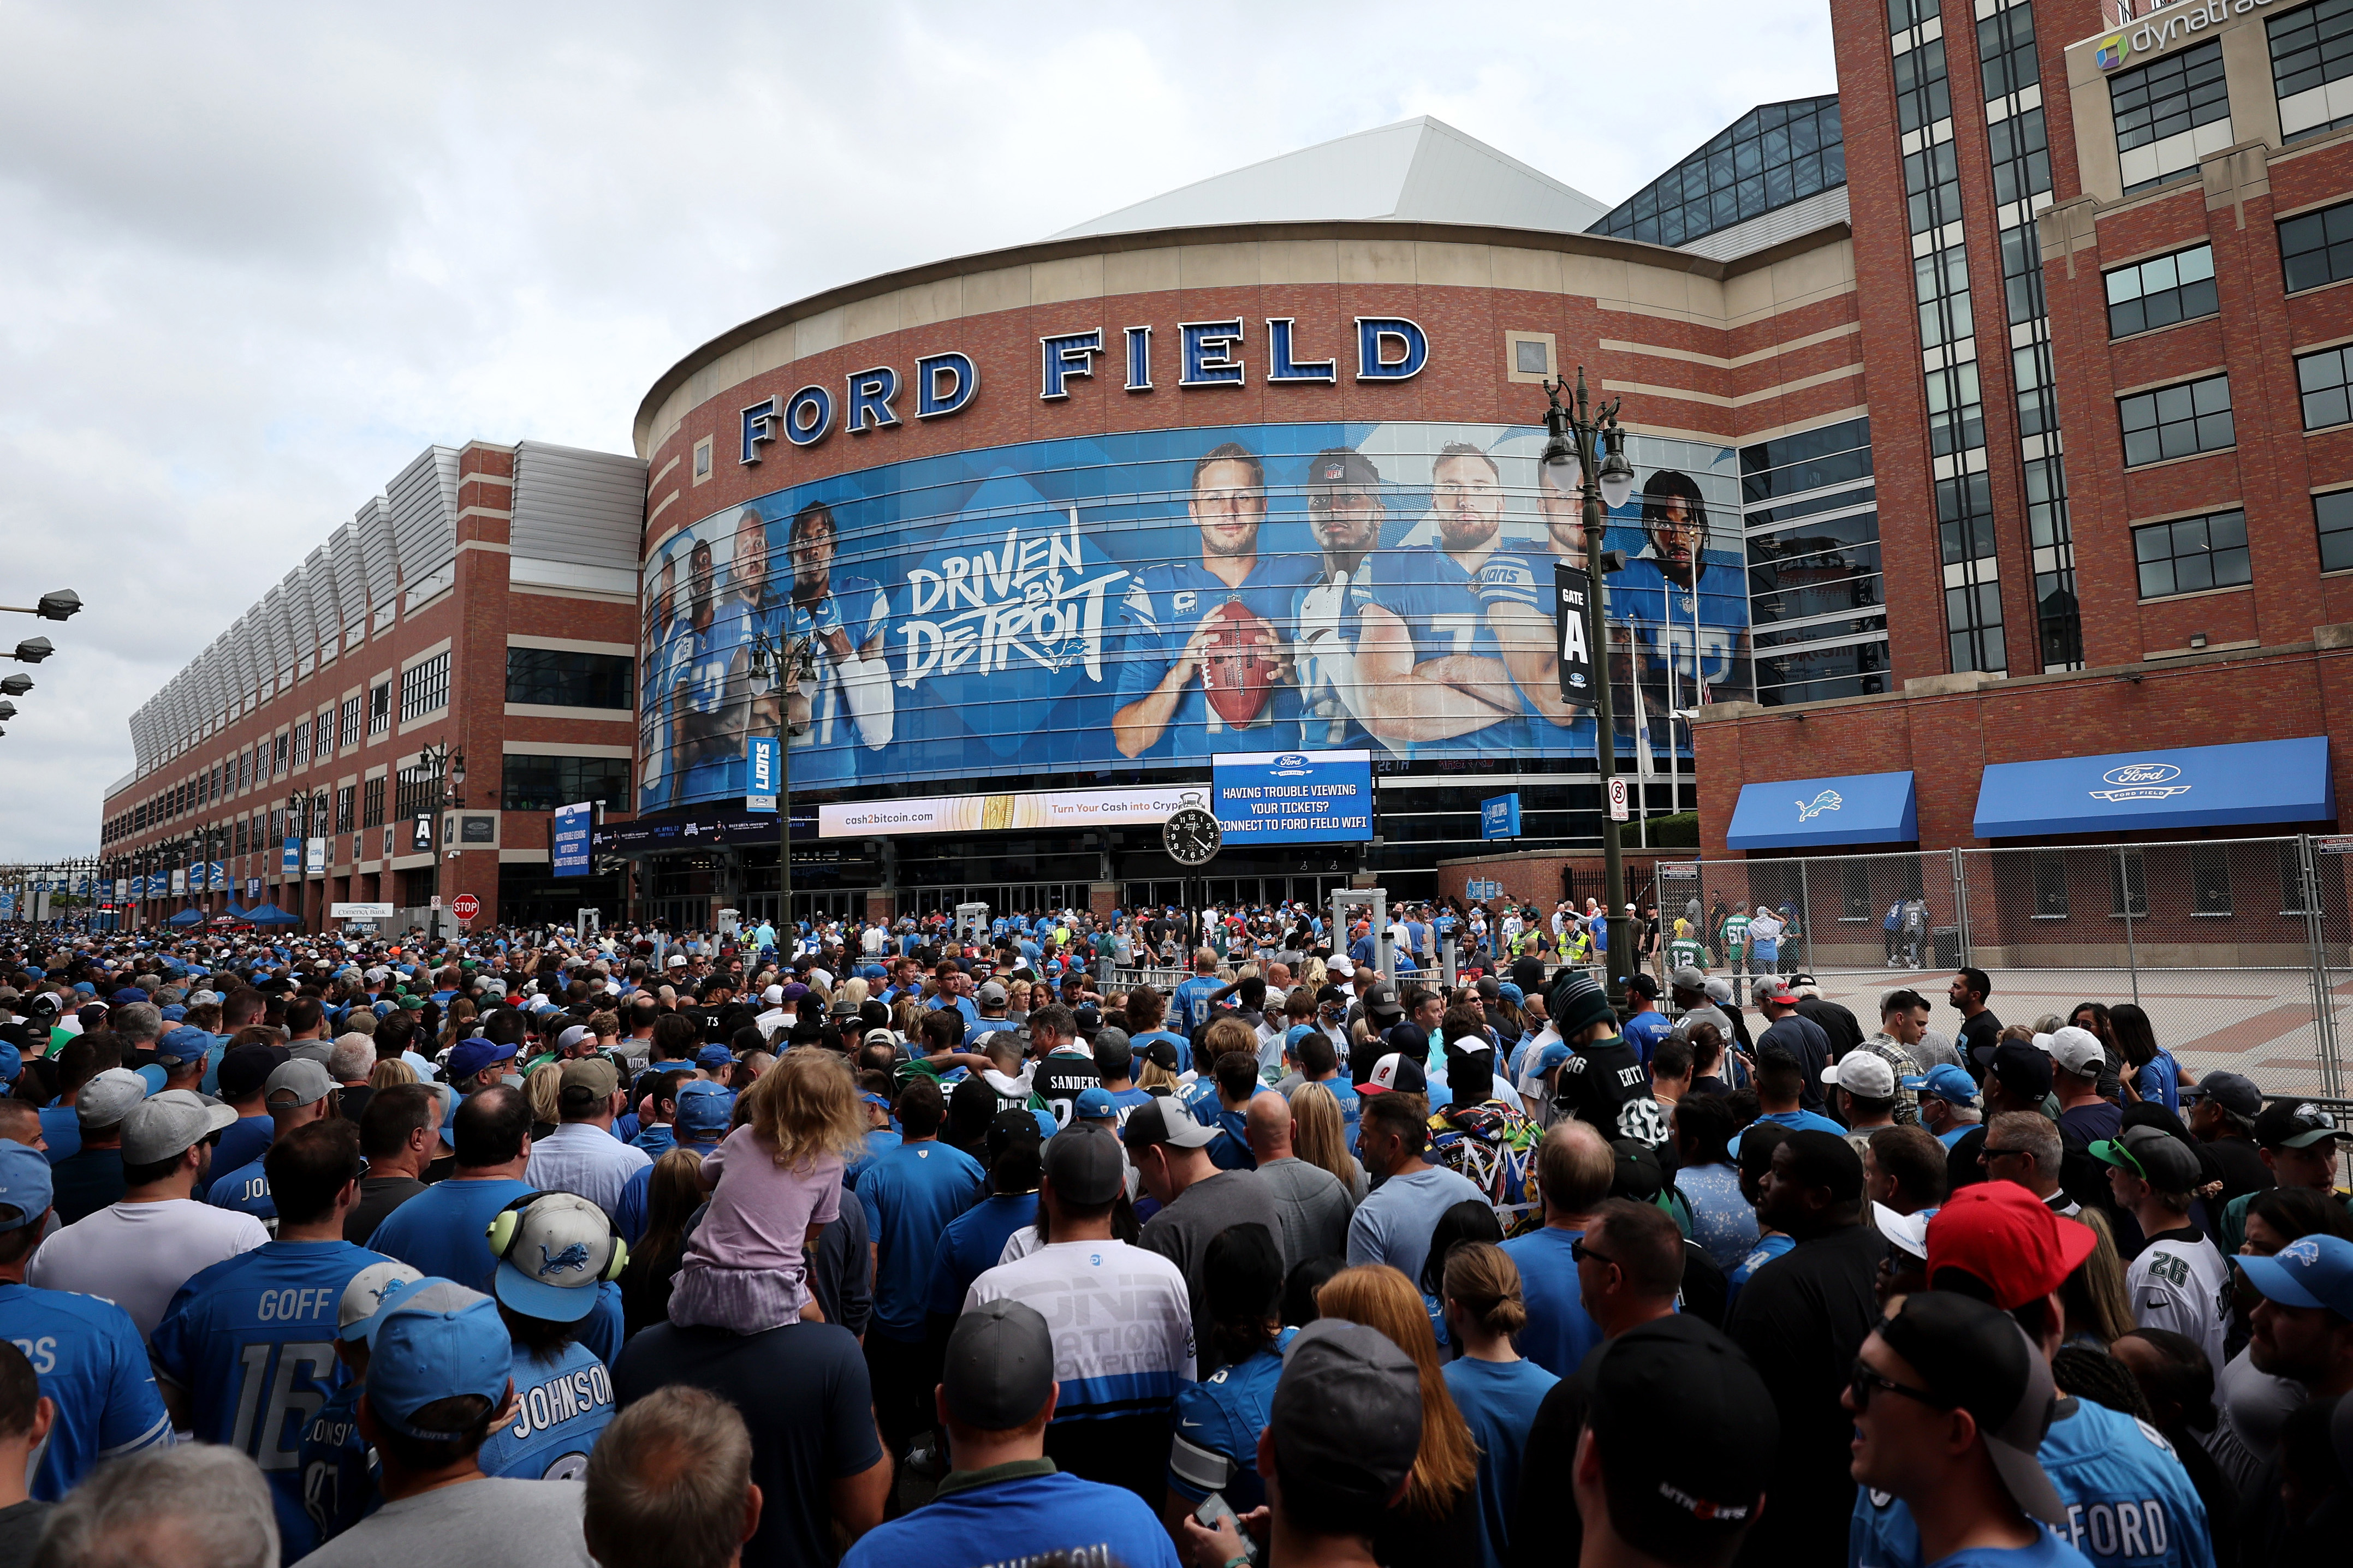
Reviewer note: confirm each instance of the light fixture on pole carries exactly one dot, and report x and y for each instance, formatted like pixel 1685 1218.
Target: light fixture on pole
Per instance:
pixel 32 650
pixel 61 606
pixel 780 667
pixel 15 685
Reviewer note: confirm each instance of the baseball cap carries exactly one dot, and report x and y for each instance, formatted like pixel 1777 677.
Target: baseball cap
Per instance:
pixel 1974 1357
pixel 434 1340
pixel 999 1369
pixel 1345 1418
pixel 561 1248
pixel 2153 1154
pixel 470 1057
pixel 711 1056
pixel 2003 1237
pixel 1686 1432
pixel 2311 1271
pixel 164 1125
pixel 127 995
pixel 1337 467
pixel 1094 1104
pixel 990 995
pixel 1396 1071
pixel 301 1081
pixel 12 1062
pixel 571 1036
pixel 2077 1050
pixel 364 1296
pixel 1719 990
pixel 25 1184
pixel 772 995
pixel 1907 1233
pixel 703 1107
pixel 1381 1002
pixel 1947 1082
pixel 2234 1092
pixel 675 960
pixel 1342 967
pixel 1864 1074
pixel 2023 1071
pixel 879 1036
pixel 1084 1163
pixel 2284 1124
pixel 1156 1123
pixel 107 1097
pixel 1635 1172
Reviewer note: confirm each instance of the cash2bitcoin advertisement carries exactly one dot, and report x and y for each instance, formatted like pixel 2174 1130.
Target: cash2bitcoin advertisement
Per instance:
pixel 1139 601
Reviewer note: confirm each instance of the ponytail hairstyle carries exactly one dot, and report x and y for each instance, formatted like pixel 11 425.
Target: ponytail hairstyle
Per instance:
pixel 1484 1283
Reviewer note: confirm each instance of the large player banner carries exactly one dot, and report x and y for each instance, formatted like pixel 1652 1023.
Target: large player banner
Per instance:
pixel 1155 599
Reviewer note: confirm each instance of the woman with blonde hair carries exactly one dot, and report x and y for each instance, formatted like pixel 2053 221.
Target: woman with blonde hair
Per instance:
pixel 776 1184
pixel 390 1073
pixel 1497 1392
pixel 1434 1522
pixel 545 1089
pixel 1320 1136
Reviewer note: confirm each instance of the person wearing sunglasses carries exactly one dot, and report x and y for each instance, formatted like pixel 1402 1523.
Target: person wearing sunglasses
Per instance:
pixel 1950 1402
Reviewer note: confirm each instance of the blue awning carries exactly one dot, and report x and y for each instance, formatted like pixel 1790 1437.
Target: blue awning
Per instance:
pixel 1797 813
pixel 2191 786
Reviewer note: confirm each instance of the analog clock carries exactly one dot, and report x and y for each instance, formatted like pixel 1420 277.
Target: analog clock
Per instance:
pixel 1191 837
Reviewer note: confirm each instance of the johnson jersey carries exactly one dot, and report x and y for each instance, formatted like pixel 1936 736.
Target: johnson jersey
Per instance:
pixel 2129 1503
pixel 1163 608
pixel 245 1190
pixel 1439 602
pixel 1218 1420
pixel 1122 1318
pixel 253 1341
pixel 827 753
pixel 566 1401
pixel 2179 1281
pixel 90 1363
pixel 340 1473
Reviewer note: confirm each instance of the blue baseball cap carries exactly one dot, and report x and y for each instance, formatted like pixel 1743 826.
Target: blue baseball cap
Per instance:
pixel 175 1013
pixel 714 1057
pixel 433 1340
pixel 12 1062
pixel 1296 1033
pixel 1095 1104
pixel 470 1057
pixel 1947 1082
pixel 186 1044
pixel 25 1184
pixel 2310 1271
pixel 127 995
pixel 704 1107
pixel 1551 1057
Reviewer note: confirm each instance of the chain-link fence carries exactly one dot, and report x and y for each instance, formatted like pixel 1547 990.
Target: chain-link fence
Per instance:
pixel 2240 948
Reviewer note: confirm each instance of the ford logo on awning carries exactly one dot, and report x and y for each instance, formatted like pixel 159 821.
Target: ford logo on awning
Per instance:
pixel 2141 781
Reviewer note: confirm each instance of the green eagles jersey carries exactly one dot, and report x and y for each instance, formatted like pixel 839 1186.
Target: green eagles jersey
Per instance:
pixel 1735 931
pixel 1686 952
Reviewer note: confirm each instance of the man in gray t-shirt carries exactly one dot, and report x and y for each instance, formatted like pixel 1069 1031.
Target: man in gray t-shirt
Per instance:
pixel 1314 1206
pixel 1394 1223
pixel 1170 1151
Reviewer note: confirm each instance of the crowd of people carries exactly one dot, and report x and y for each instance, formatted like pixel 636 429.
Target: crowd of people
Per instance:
pixel 913 1247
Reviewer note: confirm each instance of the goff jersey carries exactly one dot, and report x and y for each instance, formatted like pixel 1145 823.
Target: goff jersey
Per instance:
pixel 91 1363
pixel 1160 613
pixel 252 1340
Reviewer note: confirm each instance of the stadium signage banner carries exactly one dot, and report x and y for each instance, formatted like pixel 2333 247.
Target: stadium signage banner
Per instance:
pixel 1004 813
pixel 1295 797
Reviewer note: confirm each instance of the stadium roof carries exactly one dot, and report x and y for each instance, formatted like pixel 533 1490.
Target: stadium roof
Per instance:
pixel 1420 171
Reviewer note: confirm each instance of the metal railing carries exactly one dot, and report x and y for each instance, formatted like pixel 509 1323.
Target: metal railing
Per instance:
pixel 2239 949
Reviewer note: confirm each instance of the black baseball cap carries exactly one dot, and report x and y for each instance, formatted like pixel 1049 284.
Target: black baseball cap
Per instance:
pixel 1008 1128
pixel 1381 1002
pixel 1973 1356
pixel 1085 1165
pixel 246 1068
pixel 1638 1175
pixel 1686 1433
pixel 1342 468
pixel 2023 1072
pixel 999 1369
pixel 1346 1419
pixel 2295 1125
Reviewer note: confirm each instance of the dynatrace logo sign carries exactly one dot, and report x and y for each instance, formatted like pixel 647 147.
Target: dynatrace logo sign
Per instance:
pixel 2164 27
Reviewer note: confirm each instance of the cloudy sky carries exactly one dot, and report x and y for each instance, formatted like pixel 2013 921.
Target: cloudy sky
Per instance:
pixel 254 258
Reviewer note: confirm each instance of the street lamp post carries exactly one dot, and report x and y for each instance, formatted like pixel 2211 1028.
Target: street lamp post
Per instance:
pixel 1588 441
pixel 778 666
pixel 445 772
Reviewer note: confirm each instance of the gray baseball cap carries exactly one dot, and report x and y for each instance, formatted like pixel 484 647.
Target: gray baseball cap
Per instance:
pixel 1085 1164
pixel 999 1369
pixel 105 1098
pixel 1166 1121
pixel 303 1081
pixel 1687 979
pixel 168 1124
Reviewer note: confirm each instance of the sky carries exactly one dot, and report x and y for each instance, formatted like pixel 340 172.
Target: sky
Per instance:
pixel 255 257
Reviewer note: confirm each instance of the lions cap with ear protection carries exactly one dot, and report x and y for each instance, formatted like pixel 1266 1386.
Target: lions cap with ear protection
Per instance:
pixel 553 1250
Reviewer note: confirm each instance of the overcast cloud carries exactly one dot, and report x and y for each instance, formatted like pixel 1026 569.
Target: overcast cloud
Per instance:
pixel 253 259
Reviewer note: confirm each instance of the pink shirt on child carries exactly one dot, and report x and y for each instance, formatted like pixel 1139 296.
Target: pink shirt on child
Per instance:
pixel 761 1210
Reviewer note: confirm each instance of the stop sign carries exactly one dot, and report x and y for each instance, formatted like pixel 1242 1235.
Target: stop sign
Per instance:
pixel 465 906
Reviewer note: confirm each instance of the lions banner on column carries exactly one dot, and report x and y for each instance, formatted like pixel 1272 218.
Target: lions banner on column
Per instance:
pixel 1159 599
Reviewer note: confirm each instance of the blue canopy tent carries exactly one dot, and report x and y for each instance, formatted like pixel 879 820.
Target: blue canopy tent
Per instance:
pixel 1798 814
pixel 2254 783
pixel 234 912
pixel 272 915
pixel 187 918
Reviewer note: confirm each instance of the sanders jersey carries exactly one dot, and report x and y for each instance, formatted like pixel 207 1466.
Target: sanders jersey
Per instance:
pixel 253 1341
pixel 566 1401
pixel 1439 602
pixel 2129 1503
pixel 857 606
pixel 90 1363
pixel 339 1469
pixel 1218 1420
pixel 1159 616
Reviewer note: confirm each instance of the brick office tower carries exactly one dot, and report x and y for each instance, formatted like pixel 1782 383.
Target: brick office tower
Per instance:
pixel 483 609
pixel 2098 255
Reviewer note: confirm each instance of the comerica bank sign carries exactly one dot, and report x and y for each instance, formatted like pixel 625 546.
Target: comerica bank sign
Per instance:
pixel 1217 353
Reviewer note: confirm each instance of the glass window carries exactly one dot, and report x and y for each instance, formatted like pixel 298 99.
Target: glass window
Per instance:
pixel 2332 515
pixel 2170 96
pixel 2311 47
pixel 2209 879
pixel 2192 553
pixel 2316 247
pixel 2038 398
pixel 2127 884
pixel 1904 14
pixel 1964 518
pixel 351 722
pixel 1973 618
pixel 543 783
pixel 1773 155
pixel 380 708
pixel 2177 421
pixel 1923 95
pixel 372 803
pixel 2161 290
pixel 2022 272
pixel 1956 415
pixel 2021 155
pixel 2006 59
pixel 2050 884
pixel 2322 380
pixel 559 678
pixel 425 687
pixel 1810 460
pixel 345 799
pixel 1932 187
pixel 2060 619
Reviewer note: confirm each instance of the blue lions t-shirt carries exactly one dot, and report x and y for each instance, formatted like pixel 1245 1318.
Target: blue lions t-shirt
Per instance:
pixel 1021 1519
pixel 910 1195
pixel 566 1401
pixel 89 1362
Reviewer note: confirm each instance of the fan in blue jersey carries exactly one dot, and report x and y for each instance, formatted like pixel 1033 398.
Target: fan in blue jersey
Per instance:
pixel 1345 514
pixel 552 1251
pixel 245 1353
pixel 1678 607
pixel 1220 1418
pixel 845 701
pixel 1427 670
pixel 86 1354
pixel 666 620
pixel 339 1473
pixel 1160 709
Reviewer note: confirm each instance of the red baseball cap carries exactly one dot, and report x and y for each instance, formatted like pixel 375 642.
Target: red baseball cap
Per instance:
pixel 2003 1235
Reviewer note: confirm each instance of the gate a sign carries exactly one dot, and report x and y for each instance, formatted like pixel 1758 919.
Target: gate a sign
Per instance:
pixel 1571 588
